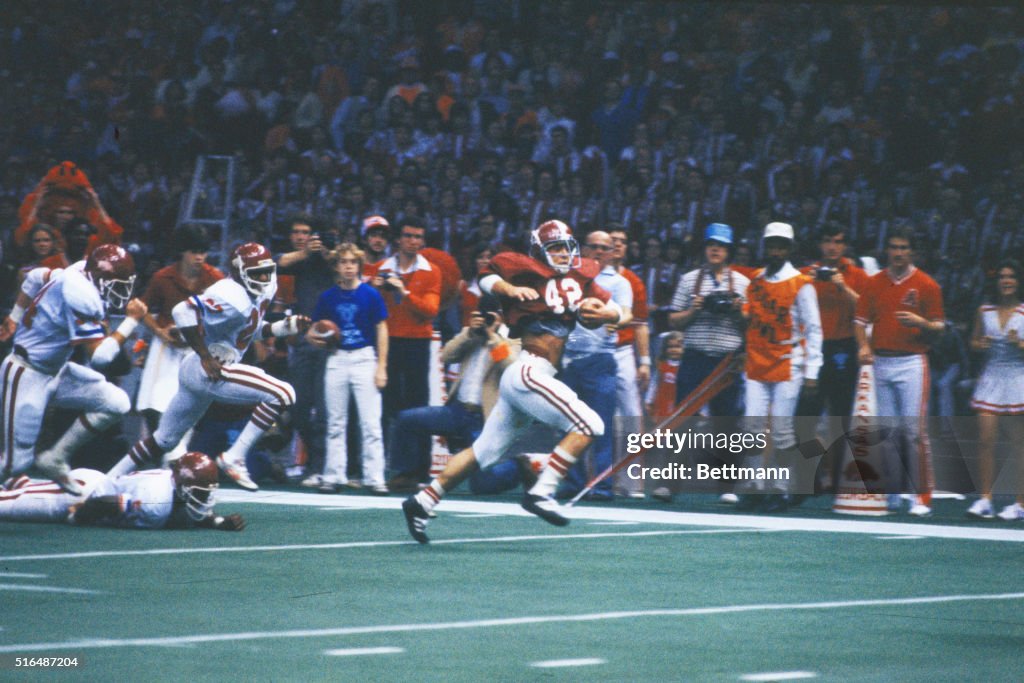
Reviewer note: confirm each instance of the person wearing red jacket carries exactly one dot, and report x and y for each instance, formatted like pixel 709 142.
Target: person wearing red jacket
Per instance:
pixel 411 287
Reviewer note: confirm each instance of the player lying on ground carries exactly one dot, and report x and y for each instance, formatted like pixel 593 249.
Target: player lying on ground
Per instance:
pixel 543 296
pixel 219 325
pixel 175 498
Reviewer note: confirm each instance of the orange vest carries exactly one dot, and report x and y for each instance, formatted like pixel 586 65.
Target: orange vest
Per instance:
pixel 770 330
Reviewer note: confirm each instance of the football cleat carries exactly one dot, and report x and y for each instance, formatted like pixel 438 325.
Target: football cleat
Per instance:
pixel 416 519
pixel 545 507
pixel 55 467
pixel 237 472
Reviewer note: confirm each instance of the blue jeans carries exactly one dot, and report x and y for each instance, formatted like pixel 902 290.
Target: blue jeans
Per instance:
pixel 593 379
pixel 413 428
pixel 306 374
pixel 694 368
pixel 408 380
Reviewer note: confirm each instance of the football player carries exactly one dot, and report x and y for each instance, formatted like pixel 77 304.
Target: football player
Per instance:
pixel 59 316
pixel 219 325
pixel 175 498
pixel 543 296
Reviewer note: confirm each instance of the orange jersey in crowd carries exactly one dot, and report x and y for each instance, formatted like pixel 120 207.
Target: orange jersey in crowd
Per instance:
pixel 883 297
pixel 770 331
pixel 412 316
pixel 640 309
pixel 664 401
pixel 836 309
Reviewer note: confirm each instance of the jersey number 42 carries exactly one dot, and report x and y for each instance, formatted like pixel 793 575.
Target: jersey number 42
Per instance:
pixel 563 294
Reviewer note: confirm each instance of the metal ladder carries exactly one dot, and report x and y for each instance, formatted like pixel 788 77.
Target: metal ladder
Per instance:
pixel 210 203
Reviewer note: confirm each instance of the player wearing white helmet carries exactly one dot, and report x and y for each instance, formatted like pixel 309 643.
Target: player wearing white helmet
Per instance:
pixel 60 315
pixel 219 325
pixel 179 497
pixel 543 297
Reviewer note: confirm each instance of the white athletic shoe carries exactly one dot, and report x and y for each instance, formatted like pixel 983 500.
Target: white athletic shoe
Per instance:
pixel 313 481
pixel 1012 513
pixel 982 509
pixel 728 499
pixel 237 472
pixel 919 510
pixel 54 466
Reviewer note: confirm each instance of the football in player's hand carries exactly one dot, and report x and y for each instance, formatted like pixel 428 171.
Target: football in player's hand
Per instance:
pixel 588 306
pixel 325 331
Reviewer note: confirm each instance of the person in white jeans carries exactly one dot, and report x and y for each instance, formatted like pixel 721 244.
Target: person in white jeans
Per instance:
pixel 356 367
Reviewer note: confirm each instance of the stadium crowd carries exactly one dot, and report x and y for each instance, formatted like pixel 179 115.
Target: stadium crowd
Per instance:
pixel 478 121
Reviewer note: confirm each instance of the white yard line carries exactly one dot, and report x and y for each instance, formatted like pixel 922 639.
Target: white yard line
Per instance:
pixel 366 544
pixel 358 651
pixel 21 575
pixel 562 663
pixel 175 641
pixel 44 589
pixel 779 676
pixel 614 514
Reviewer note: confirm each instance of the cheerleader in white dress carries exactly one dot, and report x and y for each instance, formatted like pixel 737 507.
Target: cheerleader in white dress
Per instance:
pixel 999 333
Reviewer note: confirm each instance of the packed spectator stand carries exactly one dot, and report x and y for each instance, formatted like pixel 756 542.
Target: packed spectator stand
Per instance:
pixel 487 117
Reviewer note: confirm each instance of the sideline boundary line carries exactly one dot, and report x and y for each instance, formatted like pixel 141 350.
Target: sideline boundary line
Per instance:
pixel 615 514
pixel 175 641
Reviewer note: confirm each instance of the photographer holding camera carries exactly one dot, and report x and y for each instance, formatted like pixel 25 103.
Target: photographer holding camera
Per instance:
pixel 838 281
pixel 411 288
pixel 482 353
pixel 302 274
pixel 708 305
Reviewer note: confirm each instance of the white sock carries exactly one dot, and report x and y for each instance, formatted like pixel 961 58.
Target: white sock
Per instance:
pixel 557 467
pixel 429 497
pixel 245 441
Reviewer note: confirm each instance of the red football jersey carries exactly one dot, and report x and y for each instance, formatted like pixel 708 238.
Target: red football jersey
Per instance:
pixel 560 295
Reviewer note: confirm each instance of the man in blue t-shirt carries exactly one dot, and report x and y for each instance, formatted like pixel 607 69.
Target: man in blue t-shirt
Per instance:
pixel 356 367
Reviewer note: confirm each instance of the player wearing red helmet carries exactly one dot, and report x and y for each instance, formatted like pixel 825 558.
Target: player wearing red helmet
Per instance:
pixel 112 270
pixel 60 313
pixel 543 296
pixel 219 325
pixel 179 497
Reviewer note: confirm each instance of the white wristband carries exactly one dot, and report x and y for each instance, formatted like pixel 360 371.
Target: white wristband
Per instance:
pixel 127 326
pixel 645 360
pixel 17 313
pixel 286 327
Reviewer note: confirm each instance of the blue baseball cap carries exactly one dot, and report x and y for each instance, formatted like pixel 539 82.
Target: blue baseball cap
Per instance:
pixel 719 232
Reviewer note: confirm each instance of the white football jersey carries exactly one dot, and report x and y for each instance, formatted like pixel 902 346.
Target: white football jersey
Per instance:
pixel 230 318
pixel 66 310
pixel 151 498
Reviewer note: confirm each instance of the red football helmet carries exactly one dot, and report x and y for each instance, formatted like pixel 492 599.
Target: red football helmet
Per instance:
pixel 552 235
pixel 195 480
pixel 252 259
pixel 112 270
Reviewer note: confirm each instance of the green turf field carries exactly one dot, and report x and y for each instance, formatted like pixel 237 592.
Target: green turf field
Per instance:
pixel 331 588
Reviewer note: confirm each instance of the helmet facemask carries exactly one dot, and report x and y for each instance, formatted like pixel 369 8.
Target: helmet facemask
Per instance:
pixel 255 287
pixel 573 261
pixel 199 500
pixel 116 293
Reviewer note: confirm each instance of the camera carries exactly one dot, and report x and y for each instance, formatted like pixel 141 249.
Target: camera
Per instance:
pixel 720 303
pixel 489 318
pixel 327 239
pixel 387 286
pixel 824 274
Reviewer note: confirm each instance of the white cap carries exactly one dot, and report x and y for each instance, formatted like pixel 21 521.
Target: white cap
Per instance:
pixel 778 230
